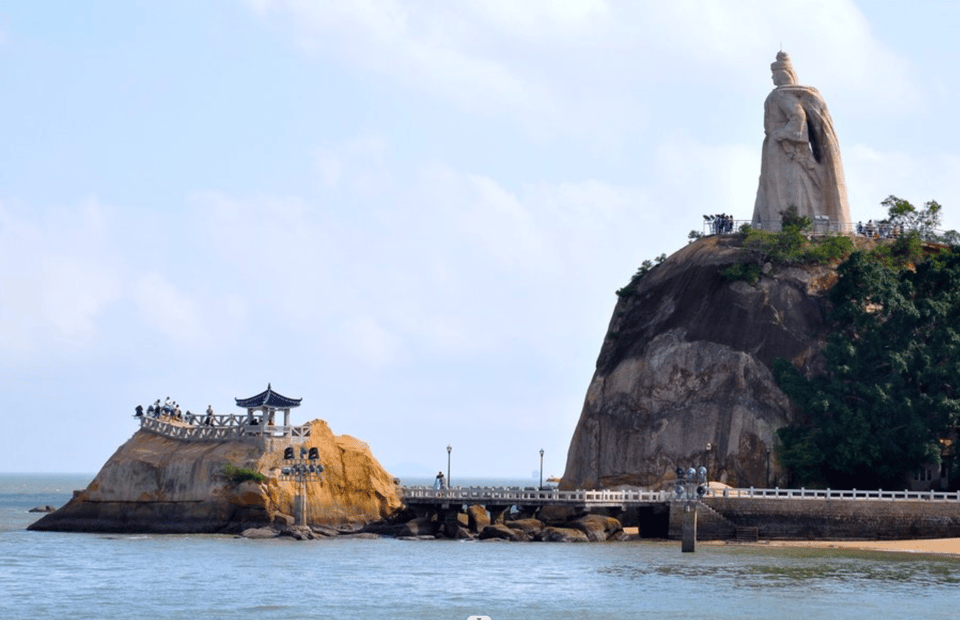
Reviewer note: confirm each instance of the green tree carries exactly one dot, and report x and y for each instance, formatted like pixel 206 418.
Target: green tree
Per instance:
pixel 891 392
pixel 903 215
pixel 791 218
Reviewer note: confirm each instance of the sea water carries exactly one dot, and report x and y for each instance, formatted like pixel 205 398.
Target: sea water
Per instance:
pixel 97 576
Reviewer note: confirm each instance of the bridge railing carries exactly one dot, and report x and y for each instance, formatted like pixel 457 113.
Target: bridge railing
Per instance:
pixel 838 494
pixel 528 494
pixel 520 495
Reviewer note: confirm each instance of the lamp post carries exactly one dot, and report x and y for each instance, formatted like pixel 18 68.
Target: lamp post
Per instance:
pixel 300 470
pixel 768 468
pixel 691 486
pixel 449 450
pixel 541 468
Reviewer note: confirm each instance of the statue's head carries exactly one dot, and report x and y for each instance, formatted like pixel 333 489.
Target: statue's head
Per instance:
pixel 782 69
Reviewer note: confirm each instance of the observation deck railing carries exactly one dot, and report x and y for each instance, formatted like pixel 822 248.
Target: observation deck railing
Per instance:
pixel 820 226
pixel 217 427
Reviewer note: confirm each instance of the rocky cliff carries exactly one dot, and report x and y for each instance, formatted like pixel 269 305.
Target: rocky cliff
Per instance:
pixel 157 484
pixel 683 377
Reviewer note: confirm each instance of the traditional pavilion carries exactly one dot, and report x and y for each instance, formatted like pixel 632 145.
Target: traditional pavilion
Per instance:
pixel 268 402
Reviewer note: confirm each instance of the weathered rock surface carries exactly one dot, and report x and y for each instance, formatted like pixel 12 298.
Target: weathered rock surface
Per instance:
pixel 501 532
pixel 683 376
pixel 157 484
pixel 563 534
pixel 598 528
pixel 531 527
pixel 260 532
pixel 478 517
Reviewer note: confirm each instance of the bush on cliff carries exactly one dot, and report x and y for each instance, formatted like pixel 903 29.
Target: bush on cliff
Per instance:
pixel 891 395
pixel 790 246
pixel 645 267
pixel 239 475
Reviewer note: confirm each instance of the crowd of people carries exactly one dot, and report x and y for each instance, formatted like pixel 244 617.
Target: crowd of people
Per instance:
pixel 171 409
pixel 878 230
pixel 720 223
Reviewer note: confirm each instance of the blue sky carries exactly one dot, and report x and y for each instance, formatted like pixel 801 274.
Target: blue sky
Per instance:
pixel 413 215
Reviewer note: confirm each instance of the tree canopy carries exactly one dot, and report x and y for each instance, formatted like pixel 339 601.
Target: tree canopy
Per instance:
pixel 892 388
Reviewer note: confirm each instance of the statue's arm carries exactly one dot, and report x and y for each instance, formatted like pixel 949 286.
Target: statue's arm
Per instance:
pixel 794 130
pixel 792 135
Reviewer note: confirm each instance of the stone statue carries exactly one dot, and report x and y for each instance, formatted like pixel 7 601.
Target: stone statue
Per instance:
pixel 801 164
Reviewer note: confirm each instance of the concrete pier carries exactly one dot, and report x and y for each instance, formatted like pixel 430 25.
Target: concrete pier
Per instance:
pixel 689 529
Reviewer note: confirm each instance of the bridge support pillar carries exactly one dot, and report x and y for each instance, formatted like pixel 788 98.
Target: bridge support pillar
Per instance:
pixel 689 529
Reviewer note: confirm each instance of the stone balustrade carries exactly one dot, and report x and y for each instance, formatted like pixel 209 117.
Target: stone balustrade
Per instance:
pixel 218 427
pixel 837 494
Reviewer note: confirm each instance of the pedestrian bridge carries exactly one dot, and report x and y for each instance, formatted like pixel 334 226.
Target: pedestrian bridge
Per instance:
pixel 586 499
pixel 509 496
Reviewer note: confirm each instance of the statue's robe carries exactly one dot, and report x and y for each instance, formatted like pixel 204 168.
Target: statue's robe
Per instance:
pixel 801 164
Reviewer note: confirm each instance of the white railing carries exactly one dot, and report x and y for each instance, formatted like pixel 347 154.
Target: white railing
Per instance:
pixel 820 226
pixel 838 494
pixel 530 494
pixel 515 495
pixel 217 428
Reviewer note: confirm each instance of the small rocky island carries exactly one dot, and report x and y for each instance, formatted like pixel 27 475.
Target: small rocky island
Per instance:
pixel 238 474
pixel 224 474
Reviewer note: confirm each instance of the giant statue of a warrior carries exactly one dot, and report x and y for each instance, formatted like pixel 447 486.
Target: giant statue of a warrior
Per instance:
pixel 801 164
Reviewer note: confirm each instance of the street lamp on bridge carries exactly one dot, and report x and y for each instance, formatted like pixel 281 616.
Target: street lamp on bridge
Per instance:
pixel 449 450
pixel 541 468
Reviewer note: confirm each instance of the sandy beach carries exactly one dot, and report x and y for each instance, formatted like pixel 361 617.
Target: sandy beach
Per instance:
pixel 946 546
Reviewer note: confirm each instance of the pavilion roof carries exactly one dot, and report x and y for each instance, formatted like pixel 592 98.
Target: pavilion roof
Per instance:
pixel 268 398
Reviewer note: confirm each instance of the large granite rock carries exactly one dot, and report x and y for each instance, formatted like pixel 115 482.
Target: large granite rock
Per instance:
pixel 157 484
pixel 563 534
pixel 683 377
pixel 598 528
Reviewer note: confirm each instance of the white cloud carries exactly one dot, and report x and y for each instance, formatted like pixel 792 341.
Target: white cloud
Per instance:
pixel 582 68
pixel 367 340
pixel 58 275
pixel 697 179
pixel 873 174
pixel 170 311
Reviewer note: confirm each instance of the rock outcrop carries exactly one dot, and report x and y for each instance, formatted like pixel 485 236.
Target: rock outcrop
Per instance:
pixel 157 484
pixel 683 377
